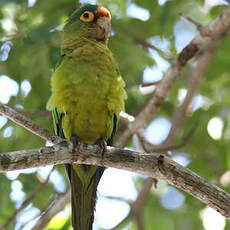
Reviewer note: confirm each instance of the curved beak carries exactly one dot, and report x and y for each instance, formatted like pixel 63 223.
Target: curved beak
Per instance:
pixel 103 22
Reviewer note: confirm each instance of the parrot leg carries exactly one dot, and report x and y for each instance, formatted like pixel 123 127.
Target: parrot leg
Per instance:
pixel 103 146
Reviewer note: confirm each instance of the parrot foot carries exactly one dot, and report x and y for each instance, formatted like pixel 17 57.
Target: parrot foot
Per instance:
pixel 103 146
pixel 75 141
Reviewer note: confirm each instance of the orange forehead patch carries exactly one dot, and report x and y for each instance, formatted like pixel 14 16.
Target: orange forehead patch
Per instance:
pixel 103 12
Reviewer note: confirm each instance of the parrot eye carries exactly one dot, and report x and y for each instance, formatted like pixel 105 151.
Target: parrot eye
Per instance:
pixel 87 16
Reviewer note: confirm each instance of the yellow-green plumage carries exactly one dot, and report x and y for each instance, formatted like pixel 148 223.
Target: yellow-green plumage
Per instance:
pixel 87 97
pixel 86 88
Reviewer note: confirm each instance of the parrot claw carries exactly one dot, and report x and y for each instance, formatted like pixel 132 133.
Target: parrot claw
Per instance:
pixel 75 141
pixel 103 146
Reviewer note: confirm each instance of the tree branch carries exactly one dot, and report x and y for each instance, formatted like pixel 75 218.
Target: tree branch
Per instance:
pixel 55 207
pixel 28 124
pixel 207 35
pixel 137 206
pixel 153 165
pixel 141 41
pixel 149 147
pixel 26 202
pixel 197 24
pixel 194 81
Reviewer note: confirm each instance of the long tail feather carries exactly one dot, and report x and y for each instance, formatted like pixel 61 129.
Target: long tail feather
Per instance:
pixel 83 196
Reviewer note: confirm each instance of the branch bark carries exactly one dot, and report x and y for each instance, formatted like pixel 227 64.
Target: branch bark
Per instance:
pixel 152 165
pixel 207 35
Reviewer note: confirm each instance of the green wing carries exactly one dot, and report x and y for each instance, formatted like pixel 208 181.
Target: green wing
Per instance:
pixel 58 117
pixel 115 121
pixel 59 61
pixel 57 123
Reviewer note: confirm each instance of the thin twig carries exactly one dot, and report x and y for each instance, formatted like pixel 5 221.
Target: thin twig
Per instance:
pixel 149 147
pixel 53 208
pixel 150 83
pixel 28 124
pixel 197 24
pixel 122 199
pixel 136 208
pixel 141 42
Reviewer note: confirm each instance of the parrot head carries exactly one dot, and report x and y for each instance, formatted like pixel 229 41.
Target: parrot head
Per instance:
pixel 90 22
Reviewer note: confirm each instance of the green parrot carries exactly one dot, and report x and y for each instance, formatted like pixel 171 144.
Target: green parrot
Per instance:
pixel 87 96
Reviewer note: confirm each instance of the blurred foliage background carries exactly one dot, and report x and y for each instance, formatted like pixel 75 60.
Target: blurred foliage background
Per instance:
pixel 29 49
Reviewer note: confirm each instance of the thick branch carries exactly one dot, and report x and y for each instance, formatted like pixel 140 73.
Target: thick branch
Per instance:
pixel 215 30
pixel 153 165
